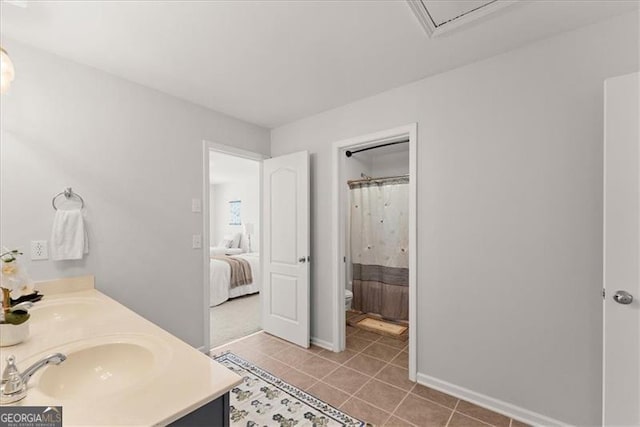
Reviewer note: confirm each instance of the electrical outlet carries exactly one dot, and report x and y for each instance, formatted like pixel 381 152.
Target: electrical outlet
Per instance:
pixel 39 250
pixel 197 241
pixel 196 205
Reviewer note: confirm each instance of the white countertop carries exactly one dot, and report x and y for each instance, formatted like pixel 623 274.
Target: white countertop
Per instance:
pixel 182 380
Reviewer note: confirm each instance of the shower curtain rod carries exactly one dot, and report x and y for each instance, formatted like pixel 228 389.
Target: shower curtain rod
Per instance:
pixel 351 153
pixel 384 178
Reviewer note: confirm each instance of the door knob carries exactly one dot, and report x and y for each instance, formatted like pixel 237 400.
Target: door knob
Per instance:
pixel 302 259
pixel 623 297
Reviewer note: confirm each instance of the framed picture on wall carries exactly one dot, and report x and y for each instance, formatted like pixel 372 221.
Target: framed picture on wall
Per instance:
pixel 234 212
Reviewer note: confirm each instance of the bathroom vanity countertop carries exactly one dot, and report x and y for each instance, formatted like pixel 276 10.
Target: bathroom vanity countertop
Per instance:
pixel 178 378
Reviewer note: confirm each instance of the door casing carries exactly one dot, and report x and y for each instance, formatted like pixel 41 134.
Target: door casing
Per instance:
pixel 207 147
pixel 339 232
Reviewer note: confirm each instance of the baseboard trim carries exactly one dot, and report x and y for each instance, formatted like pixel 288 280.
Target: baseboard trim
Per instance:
pixel 512 411
pixel 322 343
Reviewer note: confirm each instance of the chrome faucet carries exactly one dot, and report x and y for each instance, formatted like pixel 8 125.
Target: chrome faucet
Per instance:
pixel 14 383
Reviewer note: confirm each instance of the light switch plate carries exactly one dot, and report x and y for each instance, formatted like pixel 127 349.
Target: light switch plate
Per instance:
pixel 39 250
pixel 196 205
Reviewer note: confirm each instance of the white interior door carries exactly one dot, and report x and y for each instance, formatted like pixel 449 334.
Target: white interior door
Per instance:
pixel 285 302
pixel 621 400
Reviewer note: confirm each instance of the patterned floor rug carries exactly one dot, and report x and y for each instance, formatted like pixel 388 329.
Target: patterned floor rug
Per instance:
pixel 265 400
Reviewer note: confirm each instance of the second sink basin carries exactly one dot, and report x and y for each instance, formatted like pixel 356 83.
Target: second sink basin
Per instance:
pixel 64 310
pixel 103 368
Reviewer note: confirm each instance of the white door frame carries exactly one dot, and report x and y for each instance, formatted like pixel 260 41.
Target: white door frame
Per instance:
pixel 208 147
pixel 339 233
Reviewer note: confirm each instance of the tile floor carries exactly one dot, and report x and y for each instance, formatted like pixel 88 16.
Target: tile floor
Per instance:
pixel 369 381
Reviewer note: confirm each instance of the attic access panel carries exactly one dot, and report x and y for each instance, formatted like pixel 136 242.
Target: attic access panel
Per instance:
pixel 437 16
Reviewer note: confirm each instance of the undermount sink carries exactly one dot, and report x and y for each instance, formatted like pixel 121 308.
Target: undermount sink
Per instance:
pixel 64 310
pixel 104 368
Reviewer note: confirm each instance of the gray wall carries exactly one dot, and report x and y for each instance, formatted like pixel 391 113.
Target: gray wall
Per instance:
pixel 135 155
pixel 510 215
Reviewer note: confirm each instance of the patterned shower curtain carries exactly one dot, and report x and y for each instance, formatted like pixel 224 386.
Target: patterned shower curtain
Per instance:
pixel 379 247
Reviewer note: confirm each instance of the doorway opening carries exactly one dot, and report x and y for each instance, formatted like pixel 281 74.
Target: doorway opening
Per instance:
pixel 374 237
pixel 232 241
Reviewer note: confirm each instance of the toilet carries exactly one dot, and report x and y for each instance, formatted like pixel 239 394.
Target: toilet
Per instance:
pixel 348 298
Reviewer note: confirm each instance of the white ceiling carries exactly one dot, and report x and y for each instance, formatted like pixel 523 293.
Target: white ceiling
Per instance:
pixel 272 62
pixel 224 168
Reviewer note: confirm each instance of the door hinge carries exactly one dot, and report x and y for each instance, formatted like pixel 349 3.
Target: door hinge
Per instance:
pixel 604 293
pixel 344 259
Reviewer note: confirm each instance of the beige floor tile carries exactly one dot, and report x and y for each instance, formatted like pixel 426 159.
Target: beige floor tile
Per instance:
pixel 297 378
pixel 483 414
pixel 392 342
pixel 381 395
pixel 402 360
pixel 350 330
pixel 422 412
pixel 459 420
pixel 341 357
pixel 313 349
pixel 366 364
pixel 381 351
pixel 364 411
pixel 346 379
pixel 356 344
pixel 367 335
pixel 317 367
pixel 292 356
pixel 250 355
pixel 397 422
pixel 435 396
pixel 329 394
pixel 255 338
pixel 268 346
pixel 273 366
pixel 396 376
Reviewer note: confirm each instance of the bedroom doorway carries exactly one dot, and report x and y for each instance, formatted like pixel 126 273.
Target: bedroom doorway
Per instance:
pixel 231 246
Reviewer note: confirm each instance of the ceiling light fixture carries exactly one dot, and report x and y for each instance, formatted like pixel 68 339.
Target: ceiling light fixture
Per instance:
pixel 7 72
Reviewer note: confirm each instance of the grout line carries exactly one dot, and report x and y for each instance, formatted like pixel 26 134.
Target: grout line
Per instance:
pixel 236 341
pixel 433 401
pixel 371 404
pixel 339 363
pixel 330 372
pixel 452 412
pixel 372 377
pixel 478 419
pixel 393 412
pixel 317 383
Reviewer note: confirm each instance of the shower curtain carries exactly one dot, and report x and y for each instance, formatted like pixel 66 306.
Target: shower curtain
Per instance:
pixel 379 246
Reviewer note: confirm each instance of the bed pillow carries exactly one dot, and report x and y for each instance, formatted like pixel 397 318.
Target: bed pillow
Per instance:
pixel 235 240
pixel 217 251
pixel 244 243
pixel 226 242
pixel 233 251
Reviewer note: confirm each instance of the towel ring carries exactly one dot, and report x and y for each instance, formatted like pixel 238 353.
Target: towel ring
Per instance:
pixel 68 194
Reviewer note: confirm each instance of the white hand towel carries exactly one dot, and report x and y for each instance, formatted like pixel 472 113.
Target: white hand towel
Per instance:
pixel 69 236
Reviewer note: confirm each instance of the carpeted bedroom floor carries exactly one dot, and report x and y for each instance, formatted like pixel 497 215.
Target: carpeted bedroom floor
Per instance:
pixel 234 319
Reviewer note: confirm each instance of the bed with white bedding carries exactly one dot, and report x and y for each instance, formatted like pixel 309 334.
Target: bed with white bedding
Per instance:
pixel 220 279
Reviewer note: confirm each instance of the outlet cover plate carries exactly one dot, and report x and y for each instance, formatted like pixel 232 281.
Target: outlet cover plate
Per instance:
pixel 196 241
pixel 39 250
